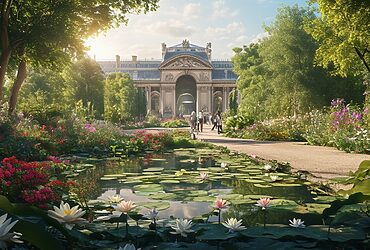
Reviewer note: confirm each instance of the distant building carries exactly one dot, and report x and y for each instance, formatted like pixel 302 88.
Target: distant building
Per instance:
pixel 185 80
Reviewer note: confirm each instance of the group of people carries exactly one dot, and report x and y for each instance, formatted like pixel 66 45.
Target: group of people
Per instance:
pixel 197 121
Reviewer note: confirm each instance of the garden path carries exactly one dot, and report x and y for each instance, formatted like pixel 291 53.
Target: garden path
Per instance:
pixel 323 162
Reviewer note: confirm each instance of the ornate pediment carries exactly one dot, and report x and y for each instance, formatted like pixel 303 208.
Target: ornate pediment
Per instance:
pixel 185 62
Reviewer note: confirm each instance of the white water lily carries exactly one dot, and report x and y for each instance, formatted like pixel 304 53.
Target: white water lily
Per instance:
pixel 233 225
pixel 273 177
pixel 67 215
pixel 114 198
pixel 203 176
pixel 5 236
pixel 267 167
pixel 125 206
pixel 297 223
pixel 223 164
pixel 152 214
pixel 182 226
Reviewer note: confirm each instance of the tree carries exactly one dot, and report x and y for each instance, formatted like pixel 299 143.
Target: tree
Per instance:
pixel 343 32
pixel 278 77
pixel 49 33
pixel 84 81
pixel 120 98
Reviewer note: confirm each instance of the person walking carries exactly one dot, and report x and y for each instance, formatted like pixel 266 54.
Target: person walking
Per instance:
pixel 193 120
pixel 219 122
pixel 200 121
pixel 214 120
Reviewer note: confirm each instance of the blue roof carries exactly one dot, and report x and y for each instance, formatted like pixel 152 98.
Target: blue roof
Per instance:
pixel 199 54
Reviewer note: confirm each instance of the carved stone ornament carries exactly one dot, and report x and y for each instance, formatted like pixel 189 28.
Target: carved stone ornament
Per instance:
pixel 169 77
pixel 204 76
pixel 185 62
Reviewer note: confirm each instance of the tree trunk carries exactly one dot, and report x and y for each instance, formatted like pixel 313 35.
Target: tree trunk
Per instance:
pixel 21 76
pixel 4 43
pixel 4 61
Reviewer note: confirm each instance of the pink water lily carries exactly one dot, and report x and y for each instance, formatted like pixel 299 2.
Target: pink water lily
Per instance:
pixel 220 203
pixel 125 206
pixel 263 202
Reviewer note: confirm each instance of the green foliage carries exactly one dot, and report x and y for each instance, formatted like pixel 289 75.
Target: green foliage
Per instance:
pixel 122 100
pixel 84 81
pixel 175 123
pixel 277 77
pixel 342 29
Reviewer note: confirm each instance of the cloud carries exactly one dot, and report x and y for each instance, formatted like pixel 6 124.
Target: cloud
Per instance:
pixel 171 28
pixel 192 10
pixel 257 38
pixel 221 10
pixel 226 32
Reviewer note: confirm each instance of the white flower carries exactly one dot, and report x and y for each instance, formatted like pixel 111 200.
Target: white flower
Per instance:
pixel 233 225
pixel 203 176
pixel 297 223
pixel 5 236
pixel 125 206
pixel 223 164
pixel 273 177
pixel 152 214
pixel 67 215
pixel 267 167
pixel 182 226
pixel 114 198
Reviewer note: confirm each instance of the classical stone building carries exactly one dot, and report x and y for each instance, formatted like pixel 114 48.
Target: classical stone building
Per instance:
pixel 186 79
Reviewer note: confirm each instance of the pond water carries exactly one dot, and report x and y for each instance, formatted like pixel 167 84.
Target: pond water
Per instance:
pixel 171 182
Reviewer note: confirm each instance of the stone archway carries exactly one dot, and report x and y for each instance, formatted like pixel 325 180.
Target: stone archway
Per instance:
pixel 186 92
pixel 155 103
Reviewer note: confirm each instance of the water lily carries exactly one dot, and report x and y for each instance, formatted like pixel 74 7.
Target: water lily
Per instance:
pixel 267 167
pixel 125 206
pixel 223 164
pixel 152 214
pixel 273 177
pixel 114 198
pixel 182 227
pixel 253 156
pixel 5 236
pixel 220 203
pixel 233 225
pixel 203 176
pixel 264 203
pixel 67 215
pixel 297 223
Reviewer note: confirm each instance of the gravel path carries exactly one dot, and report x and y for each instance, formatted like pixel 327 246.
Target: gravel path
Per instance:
pixel 323 162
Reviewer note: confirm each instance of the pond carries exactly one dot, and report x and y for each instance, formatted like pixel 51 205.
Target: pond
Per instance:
pixel 171 183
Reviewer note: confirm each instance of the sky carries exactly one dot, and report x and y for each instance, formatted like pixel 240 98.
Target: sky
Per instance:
pixel 224 23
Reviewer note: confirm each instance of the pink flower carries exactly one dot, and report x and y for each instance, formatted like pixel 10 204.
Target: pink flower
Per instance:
pixel 253 156
pixel 263 202
pixel 220 203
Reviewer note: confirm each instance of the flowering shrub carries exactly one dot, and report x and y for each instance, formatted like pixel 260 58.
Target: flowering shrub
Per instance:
pixel 150 141
pixel 343 126
pixel 29 182
pixel 174 123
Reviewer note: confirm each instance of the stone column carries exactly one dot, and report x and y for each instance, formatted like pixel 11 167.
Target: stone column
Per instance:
pixel 149 98
pixel 161 101
pixel 197 101
pixel 174 101
pixel 224 97
pixel 209 90
pixel 211 108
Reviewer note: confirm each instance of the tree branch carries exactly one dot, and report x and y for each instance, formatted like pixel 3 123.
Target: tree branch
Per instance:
pixel 362 57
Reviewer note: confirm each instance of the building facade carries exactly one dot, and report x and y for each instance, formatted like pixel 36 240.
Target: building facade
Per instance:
pixel 186 79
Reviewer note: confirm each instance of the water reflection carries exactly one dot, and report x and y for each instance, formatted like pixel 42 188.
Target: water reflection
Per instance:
pixel 253 184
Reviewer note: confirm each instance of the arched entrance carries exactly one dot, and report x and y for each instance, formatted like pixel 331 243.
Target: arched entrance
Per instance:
pixel 217 101
pixel 155 103
pixel 186 92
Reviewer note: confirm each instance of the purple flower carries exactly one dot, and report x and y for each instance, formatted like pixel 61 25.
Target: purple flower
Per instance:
pixel 337 102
